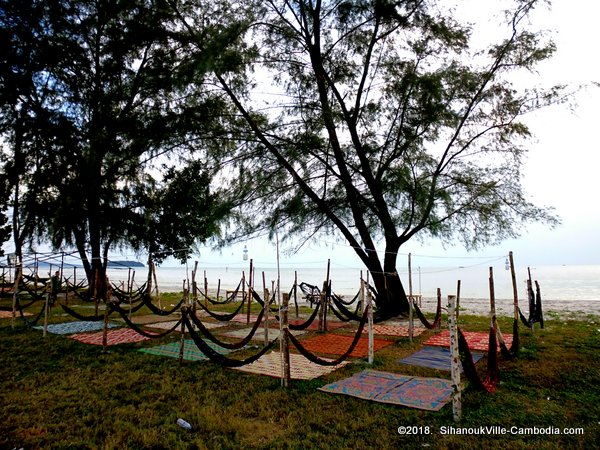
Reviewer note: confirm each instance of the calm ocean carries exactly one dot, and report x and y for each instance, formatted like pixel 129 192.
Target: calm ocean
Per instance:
pixel 578 283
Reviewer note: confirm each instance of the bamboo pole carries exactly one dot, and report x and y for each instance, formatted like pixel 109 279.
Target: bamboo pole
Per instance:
pixel 295 290
pixel 250 275
pixel 513 277
pixel 458 283
pixel 266 308
pixel 455 358
pixel 410 300
pixel 286 371
pixel 371 350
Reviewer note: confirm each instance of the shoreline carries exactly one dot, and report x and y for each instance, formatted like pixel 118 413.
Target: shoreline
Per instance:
pixel 505 308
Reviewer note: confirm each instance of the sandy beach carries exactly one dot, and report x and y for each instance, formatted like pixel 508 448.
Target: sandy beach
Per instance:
pixel 504 307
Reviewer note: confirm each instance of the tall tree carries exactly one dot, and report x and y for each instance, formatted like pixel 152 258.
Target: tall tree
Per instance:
pixel 382 121
pixel 118 92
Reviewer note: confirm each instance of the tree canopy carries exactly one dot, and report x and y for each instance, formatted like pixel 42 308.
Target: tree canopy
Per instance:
pixel 94 94
pixel 382 121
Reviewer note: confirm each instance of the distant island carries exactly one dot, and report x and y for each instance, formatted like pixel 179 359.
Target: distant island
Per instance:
pixel 117 264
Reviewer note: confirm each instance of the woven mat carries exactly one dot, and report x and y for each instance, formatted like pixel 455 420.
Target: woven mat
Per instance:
pixel 171 324
pixel 75 327
pixel 259 335
pixel 190 351
pixel 434 358
pixel 331 325
pixel 394 330
pixel 477 340
pixel 8 314
pixel 152 318
pixel 113 337
pixel 430 394
pixel 300 367
pixel 335 344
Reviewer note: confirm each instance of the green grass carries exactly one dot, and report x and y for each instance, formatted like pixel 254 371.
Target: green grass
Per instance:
pixel 58 393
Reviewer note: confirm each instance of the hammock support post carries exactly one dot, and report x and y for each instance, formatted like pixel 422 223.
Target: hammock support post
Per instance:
pixel 285 347
pixel 370 323
pixel 455 358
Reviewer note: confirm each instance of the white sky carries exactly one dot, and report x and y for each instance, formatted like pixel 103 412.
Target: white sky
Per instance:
pixel 562 169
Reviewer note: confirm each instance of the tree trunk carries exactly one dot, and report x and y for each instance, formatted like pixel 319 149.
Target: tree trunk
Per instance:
pixel 391 299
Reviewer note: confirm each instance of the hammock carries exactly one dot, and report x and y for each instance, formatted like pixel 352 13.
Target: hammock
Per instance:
pixel 137 328
pixel 148 302
pixel 81 317
pixel 227 345
pixel 325 362
pixel 227 299
pixel 490 381
pixel 347 314
pixel 309 321
pixel 221 317
pixel 216 356
pixel 437 319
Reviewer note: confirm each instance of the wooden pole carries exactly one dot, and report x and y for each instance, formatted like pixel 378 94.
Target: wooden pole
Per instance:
pixel 249 292
pixel 266 307
pixel 370 326
pixel 286 372
pixel 410 300
pixel 455 359
pixel 296 291
pixel 513 277
pixel 182 337
pixel 457 298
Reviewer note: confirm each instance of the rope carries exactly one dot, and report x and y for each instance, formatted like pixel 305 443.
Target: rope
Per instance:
pixel 213 338
pixel 221 317
pixel 315 359
pixel 148 302
pixel 490 381
pixel 437 319
pixel 309 321
pixel 81 317
pixel 137 328
pixel 216 356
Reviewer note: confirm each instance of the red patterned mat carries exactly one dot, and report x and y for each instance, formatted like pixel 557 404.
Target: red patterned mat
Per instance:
pixel 113 337
pixel 335 344
pixel 477 340
pixel 300 367
pixel 331 325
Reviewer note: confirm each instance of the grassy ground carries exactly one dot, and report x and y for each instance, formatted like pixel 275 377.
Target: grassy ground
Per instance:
pixel 58 393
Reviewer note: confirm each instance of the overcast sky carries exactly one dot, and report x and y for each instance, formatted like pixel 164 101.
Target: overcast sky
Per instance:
pixel 562 169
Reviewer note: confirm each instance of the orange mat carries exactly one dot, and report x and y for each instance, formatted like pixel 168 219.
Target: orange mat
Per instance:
pixel 335 344
pixel 477 340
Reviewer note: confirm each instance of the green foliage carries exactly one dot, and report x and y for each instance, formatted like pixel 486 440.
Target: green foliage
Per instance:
pixel 95 92
pixel 384 121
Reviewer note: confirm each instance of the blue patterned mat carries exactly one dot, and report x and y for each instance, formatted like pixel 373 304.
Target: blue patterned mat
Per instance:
pixel 430 394
pixel 434 358
pixel 75 327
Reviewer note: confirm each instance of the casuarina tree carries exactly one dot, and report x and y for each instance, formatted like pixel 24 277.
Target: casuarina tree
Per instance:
pixel 383 121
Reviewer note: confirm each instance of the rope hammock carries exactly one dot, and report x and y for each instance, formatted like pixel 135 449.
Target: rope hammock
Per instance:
pixel 438 315
pixel 221 317
pixel 490 381
pixel 315 359
pixel 216 356
pixel 137 328
pixel 231 346
pixel 147 300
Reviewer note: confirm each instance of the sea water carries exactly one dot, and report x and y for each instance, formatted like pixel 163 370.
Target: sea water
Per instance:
pixel 565 283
